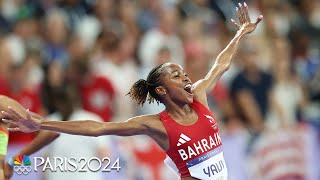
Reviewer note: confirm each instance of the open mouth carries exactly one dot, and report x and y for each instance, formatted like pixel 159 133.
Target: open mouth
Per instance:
pixel 188 88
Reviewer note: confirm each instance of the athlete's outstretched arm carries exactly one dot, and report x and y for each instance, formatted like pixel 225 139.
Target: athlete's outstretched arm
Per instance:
pixel 224 59
pixel 133 126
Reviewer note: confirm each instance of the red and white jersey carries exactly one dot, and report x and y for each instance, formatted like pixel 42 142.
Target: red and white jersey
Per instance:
pixel 98 96
pixel 196 150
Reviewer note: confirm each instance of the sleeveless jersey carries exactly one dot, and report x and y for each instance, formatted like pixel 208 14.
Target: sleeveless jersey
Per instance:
pixel 196 150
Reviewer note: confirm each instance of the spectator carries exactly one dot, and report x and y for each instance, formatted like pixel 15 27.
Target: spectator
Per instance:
pixel 26 96
pixel 164 34
pixel 121 70
pixel 250 90
pixel 67 102
pixel 53 80
pixel 6 62
pixel 34 68
pixel 148 15
pixel 287 92
pixel 103 11
pixel 76 49
pixel 75 10
pixel 56 32
pixel 97 92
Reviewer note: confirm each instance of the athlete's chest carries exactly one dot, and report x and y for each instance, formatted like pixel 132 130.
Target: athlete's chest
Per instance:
pixel 197 149
pixel 196 139
pixel 187 120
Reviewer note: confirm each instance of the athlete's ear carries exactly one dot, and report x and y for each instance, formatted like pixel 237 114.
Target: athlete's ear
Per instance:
pixel 161 90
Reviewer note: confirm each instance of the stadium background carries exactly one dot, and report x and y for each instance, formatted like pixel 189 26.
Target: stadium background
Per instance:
pixel 99 48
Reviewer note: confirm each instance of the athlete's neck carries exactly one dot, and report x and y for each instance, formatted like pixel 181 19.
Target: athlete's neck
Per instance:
pixel 178 111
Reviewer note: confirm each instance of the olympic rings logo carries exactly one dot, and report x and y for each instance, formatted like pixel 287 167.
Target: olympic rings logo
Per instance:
pixel 22 169
pixel 21 164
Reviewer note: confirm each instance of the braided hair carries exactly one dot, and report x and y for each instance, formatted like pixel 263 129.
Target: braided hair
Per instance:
pixel 144 90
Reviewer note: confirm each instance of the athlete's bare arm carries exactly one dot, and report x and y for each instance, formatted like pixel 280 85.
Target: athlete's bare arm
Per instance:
pixel 27 123
pixel 224 59
pixel 133 126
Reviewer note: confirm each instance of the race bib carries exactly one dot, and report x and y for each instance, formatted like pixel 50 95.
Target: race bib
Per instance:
pixel 209 166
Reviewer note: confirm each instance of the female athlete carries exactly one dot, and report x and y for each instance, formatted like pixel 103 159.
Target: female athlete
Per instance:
pixel 186 130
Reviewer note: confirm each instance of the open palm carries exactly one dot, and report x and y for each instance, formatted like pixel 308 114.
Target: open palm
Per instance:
pixel 19 122
pixel 246 26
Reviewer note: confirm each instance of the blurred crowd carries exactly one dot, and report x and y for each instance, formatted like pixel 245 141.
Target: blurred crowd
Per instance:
pixel 268 103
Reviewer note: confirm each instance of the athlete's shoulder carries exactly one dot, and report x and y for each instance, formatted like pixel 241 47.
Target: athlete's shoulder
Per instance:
pixel 150 120
pixel 145 118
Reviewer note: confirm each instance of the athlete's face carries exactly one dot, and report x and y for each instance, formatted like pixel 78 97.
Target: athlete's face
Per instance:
pixel 177 84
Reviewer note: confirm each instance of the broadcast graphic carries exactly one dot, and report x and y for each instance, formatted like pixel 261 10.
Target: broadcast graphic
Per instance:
pixel 159 89
pixel 21 164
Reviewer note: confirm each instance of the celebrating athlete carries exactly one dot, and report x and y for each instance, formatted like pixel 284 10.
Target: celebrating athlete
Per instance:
pixel 186 130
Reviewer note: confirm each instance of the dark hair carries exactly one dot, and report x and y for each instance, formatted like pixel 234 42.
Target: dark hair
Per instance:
pixel 144 90
pixel 110 41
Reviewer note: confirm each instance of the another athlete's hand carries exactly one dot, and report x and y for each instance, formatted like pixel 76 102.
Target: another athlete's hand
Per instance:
pixel 8 171
pixel 245 26
pixel 18 122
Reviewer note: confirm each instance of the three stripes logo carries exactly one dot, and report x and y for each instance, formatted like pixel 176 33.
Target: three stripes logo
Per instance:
pixel 183 139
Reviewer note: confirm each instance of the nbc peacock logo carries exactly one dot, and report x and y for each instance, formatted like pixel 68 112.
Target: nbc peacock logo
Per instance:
pixel 21 164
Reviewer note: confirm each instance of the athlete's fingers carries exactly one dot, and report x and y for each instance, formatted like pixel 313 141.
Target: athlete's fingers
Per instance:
pixel 258 20
pixel 235 24
pixel 14 129
pixel 247 12
pixel 10 122
pixel 242 19
pixel 9 115
pixel 16 113
pixel 239 15
pixel 28 114
pixel 12 115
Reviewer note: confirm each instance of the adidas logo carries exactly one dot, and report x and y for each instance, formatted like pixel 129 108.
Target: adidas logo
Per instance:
pixel 183 139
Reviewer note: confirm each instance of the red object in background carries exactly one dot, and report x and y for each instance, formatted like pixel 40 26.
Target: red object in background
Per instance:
pixel 153 158
pixel 30 100
pixel 220 93
pixel 4 87
pixel 98 96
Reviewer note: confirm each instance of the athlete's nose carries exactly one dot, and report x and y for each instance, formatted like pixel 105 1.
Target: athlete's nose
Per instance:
pixel 186 79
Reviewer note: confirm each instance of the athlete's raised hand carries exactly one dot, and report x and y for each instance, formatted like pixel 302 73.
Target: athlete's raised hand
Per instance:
pixel 19 122
pixel 245 26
